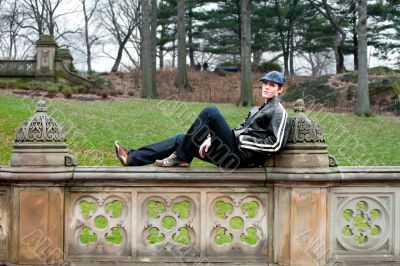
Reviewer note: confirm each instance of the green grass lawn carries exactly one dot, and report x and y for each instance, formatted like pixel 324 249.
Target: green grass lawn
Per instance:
pixel 92 127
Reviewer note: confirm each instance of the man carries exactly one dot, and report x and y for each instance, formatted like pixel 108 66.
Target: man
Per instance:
pixel 263 132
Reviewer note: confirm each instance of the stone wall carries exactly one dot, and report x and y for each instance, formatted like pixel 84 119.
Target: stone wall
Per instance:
pixel 147 214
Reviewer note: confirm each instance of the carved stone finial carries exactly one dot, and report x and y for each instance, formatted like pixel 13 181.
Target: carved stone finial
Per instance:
pixel 299 106
pixel 306 142
pixel 40 141
pixel 41 106
pixel 304 130
pixel 40 128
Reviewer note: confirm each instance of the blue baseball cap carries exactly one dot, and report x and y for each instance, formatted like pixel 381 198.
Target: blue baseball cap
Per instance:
pixel 274 76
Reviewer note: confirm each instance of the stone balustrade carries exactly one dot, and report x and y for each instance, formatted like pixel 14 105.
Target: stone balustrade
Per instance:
pixel 295 211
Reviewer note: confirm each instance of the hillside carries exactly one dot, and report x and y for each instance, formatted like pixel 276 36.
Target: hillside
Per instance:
pixel 92 127
pixel 335 93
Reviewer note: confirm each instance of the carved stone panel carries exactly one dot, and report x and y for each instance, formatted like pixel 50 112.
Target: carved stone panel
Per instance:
pixel 4 220
pixel 99 224
pixel 169 226
pixel 237 225
pixel 362 223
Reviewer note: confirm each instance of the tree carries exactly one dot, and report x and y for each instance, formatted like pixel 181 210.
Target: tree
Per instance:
pixel 331 13
pixel 11 21
pixel 88 13
pixel 36 12
pixel 181 75
pixel 167 28
pixel 221 28
pixel 384 28
pixel 153 33
pixel 146 53
pixel 120 18
pixel 363 105
pixel 287 12
pixel 246 90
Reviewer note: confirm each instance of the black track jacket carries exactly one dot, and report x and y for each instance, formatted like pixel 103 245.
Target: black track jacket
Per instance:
pixel 265 131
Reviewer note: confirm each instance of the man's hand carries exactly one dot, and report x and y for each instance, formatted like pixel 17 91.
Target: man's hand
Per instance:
pixel 204 147
pixel 240 138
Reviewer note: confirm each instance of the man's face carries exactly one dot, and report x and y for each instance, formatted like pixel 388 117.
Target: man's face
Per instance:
pixel 270 89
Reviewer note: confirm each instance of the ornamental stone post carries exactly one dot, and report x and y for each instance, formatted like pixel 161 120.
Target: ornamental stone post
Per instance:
pixel 38 206
pixel 300 212
pixel 45 56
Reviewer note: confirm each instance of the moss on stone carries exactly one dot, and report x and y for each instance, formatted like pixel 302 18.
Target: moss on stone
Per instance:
pixel 374 230
pixel 101 222
pixel 154 237
pixel 115 208
pixel 251 237
pixel 361 239
pixel 347 214
pixel 374 214
pixel 236 223
pixel 46 40
pixel 223 209
pixel 87 208
pixel 168 222
pixel 251 208
pixel 361 206
pixel 222 237
pixel 155 208
pixel 182 208
pixel 86 237
pixel 115 237
pixel 182 237
pixel 360 222
pixel 346 231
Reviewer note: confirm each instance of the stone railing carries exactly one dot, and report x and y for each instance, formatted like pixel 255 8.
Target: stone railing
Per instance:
pixel 296 211
pixel 17 68
pixel 292 216
pixel 51 64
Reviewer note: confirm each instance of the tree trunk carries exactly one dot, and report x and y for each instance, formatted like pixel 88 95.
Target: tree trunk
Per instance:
pixel 87 42
pixel 257 57
pixel 246 90
pixel 181 75
pixel 286 61
pixel 190 39
pixel 154 46
pixel 147 86
pixel 173 53
pixel 339 57
pixel 363 104
pixel 118 58
pixel 291 53
pixel 355 44
pixel 161 56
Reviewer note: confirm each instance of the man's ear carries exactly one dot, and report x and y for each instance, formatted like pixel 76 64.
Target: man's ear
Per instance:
pixel 282 90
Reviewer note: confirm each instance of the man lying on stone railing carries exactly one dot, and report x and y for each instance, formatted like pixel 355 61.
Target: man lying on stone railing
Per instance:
pixel 263 132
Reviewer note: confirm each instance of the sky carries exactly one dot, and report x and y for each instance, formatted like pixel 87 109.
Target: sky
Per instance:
pixel 103 63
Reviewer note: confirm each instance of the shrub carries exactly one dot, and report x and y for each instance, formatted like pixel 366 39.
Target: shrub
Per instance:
pixel 67 92
pixel 103 93
pixel 4 84
pixel 35 85
pixel 81 89
pixel 98 81
pixel 51 91
pixel 268 66
pixel 220 71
